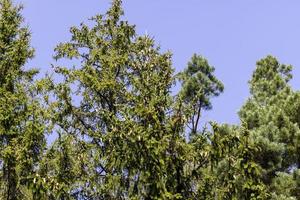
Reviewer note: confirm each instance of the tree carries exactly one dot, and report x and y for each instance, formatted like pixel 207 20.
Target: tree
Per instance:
pixel 22 125
pixel 124 114
pixel 121 133
pixel 272 114
pixel 199 85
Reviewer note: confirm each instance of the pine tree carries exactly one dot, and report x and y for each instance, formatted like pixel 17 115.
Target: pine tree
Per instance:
pixel 22 126
pixel 123 82
pixel 121 133
pixel 199 85
pixel 272 117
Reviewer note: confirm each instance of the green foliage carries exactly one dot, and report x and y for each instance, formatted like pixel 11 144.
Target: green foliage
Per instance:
pixel 124 82
pixel 23 121
pixel 198 86
pixel 272 125
pixel 121 133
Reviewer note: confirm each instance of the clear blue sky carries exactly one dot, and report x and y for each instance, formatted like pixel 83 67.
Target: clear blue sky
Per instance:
pixel 231 34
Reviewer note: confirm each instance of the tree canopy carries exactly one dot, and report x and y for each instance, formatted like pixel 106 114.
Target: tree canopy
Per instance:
pixel 121 131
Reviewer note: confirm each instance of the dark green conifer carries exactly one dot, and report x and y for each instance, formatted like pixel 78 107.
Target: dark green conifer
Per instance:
pixel 22 126
pixel 199 85
pixel 272 117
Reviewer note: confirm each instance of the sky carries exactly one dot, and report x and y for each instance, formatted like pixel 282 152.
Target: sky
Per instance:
pixel 231 34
